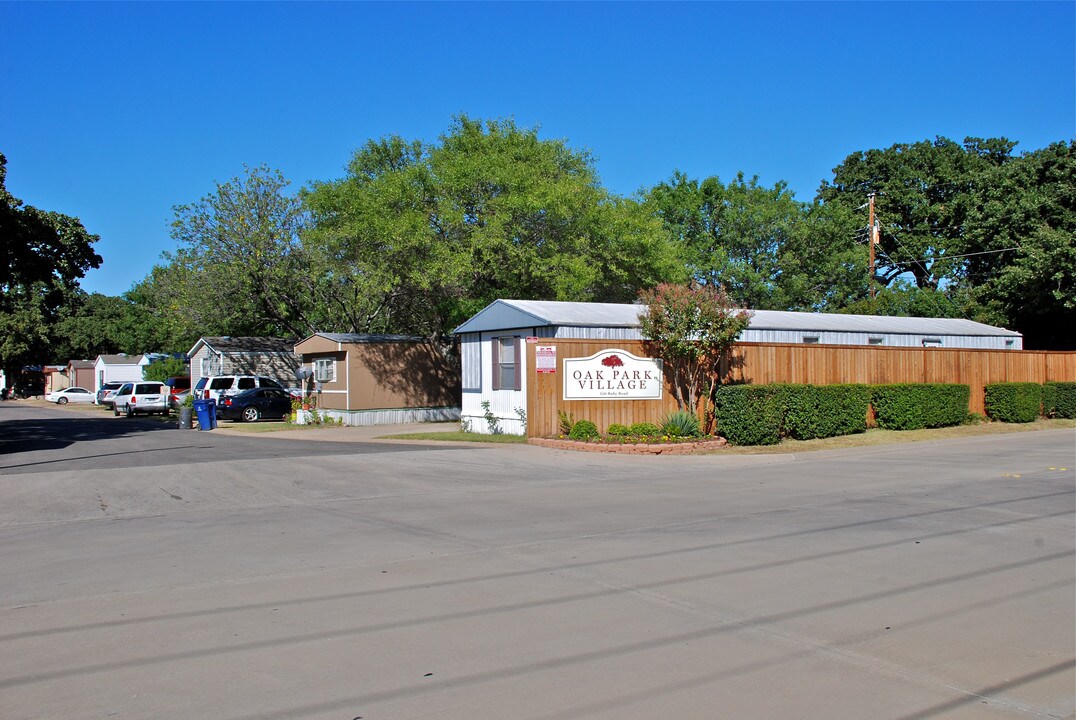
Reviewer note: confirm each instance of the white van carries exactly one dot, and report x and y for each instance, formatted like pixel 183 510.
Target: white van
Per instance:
pixel 214 387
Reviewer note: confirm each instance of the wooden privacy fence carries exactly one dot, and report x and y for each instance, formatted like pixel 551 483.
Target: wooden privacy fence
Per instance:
pixel 764 363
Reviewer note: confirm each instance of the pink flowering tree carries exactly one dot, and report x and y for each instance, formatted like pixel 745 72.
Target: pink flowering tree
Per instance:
pixel 690 328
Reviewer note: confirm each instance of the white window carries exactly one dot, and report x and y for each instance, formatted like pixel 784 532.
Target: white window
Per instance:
pixel 931 342
pixel 506 368
pixel 875 341
pixel 810 339
pixel 325 370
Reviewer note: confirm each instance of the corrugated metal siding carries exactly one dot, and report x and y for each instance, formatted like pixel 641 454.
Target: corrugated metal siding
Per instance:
pixel 976 342
pixel 571 332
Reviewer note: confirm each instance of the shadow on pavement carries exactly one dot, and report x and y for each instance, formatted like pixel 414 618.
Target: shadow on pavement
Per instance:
pixel 35 433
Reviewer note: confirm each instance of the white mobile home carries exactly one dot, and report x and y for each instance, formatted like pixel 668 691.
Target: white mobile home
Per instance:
pixel 493 362
pixel 118 368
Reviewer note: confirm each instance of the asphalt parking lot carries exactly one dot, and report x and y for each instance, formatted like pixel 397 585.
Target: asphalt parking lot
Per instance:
pixel 147 572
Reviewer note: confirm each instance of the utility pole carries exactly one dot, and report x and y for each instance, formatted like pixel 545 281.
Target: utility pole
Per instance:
pixel 873 241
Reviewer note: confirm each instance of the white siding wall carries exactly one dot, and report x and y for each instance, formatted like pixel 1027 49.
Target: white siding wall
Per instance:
pixel 502 403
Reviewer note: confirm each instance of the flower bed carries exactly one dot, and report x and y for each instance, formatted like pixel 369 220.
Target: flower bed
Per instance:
pixel 674 447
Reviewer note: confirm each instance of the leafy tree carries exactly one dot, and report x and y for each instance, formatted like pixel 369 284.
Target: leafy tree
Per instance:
pixel 240 267
pixel 690 329
pixel 764 248
pixel 45 254
pixel 1023 231
pixel 98 324
pixel 161 370
pixel 422 236
pixel 903 299
pixel 734 234
pixel 924 192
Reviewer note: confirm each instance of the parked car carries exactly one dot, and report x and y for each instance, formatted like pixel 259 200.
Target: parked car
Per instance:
pixel 143 397
pixel 215 387
pixel 255 404
pixel 177 385
pixel 177 399
pixel 104 395
pixel 70 394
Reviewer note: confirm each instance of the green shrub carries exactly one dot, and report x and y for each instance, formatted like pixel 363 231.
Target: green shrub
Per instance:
pixel 681 424
pixel 821 411
pixel 1016 402
pixel 617 429
pixel 644 429
pixel 910 406
pixel 583 430
pixel 750 414
pixel 1059 399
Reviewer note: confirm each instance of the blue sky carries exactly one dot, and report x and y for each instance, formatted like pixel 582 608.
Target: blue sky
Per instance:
pixel 116 112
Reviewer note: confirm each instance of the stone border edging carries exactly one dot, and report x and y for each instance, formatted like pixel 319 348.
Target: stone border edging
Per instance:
pixel 686 448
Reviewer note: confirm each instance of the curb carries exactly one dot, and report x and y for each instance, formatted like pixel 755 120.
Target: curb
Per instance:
pixel 687 448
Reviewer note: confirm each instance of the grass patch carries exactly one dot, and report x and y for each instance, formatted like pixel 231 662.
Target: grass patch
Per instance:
pixel 878 436
pixel 456 436
pixel 262 426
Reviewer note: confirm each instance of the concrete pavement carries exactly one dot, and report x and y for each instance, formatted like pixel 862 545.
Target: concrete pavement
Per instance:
pixel 330 581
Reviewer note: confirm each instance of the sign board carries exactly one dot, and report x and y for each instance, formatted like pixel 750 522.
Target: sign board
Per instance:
pixel 545 359
pixel 612 375
pixel 532 339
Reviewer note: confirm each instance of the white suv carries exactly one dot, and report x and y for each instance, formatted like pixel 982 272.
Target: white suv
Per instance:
pixel 214 387
pixel 143 397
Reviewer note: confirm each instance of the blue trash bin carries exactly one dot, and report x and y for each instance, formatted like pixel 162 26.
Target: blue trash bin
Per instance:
pixel 206 410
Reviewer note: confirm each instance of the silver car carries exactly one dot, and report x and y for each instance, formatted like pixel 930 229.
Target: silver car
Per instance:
pixel 143 397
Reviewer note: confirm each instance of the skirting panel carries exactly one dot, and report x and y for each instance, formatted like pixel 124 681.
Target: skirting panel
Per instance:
pixel 393 416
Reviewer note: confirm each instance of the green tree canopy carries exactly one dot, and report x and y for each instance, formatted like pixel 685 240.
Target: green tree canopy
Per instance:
pixel 759 244
pixel 1022 231
pixel 924 192
pixel 45 254
pixel 419 237
pixel 239 268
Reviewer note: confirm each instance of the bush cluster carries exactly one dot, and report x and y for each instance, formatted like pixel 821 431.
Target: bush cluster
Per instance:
pixel 1013 401
pixel 750 414
pixel 821 411
pixel 763 414
pixel 583 430
pixel 911 406
pixel 1059 399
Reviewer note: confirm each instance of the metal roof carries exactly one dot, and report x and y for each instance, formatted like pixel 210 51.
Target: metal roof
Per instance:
pixel 363 338
pixel 509 314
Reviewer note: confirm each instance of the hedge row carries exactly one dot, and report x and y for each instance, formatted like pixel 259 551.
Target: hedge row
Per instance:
pixel 1024 402
pixel 911 406
pixel 1059 399
pixel 763 414
pixel 1015 402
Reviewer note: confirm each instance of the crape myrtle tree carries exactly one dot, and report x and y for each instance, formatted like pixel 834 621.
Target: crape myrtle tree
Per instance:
pixel 691 329
pixel 421 236
pixel 45 254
